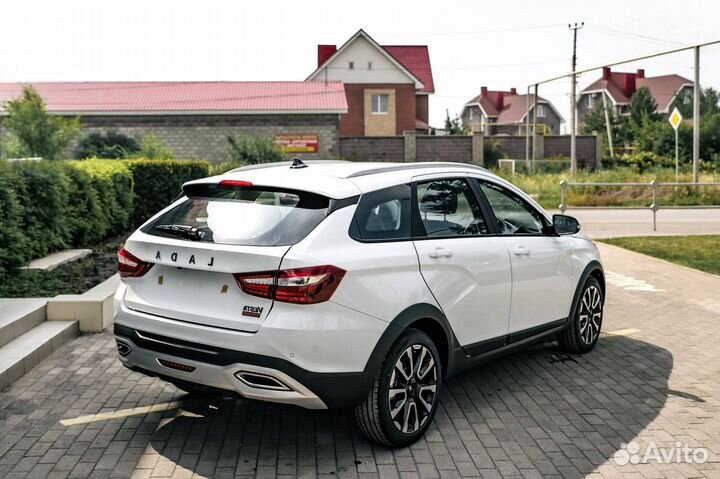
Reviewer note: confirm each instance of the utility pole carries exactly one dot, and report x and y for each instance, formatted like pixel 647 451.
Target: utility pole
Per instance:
pixel 573 158
pixel 696 118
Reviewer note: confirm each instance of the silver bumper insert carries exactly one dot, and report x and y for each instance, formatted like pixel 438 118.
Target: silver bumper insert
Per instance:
pixel 252 382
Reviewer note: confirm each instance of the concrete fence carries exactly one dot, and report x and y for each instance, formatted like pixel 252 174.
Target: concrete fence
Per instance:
pixel 465 148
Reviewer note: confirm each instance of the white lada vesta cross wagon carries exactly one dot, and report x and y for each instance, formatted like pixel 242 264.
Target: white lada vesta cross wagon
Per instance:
pixel 366 285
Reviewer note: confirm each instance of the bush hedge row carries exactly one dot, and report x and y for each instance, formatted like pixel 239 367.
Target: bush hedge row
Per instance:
pixel 46 206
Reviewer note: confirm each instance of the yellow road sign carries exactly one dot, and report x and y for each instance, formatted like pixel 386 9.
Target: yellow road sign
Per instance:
pixel 675 118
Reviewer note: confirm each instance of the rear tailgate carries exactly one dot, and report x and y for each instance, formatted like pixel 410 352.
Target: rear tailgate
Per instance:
pixel 193 281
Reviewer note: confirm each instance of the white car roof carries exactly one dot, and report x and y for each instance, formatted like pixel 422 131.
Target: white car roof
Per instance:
pixel 340 179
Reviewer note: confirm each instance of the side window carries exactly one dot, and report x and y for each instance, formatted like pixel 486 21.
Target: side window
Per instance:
pixel 449 208
pixel 383 215
pixel 513 214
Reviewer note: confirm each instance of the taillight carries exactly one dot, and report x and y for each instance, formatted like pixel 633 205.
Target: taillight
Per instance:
pixel 236 183
pixel 302 285
pixel 130 266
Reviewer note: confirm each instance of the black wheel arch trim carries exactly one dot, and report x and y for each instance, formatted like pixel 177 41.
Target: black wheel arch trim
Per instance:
pixel 591 268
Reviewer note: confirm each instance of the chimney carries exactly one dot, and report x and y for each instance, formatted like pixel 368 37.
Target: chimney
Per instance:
pixel 606 73
pixel 324 53
pixel 513 91
pixel 483 90
pixel 641 73
pixel 628 84
pixel 500 102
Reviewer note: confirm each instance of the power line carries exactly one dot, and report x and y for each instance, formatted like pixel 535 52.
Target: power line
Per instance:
pixel 635 36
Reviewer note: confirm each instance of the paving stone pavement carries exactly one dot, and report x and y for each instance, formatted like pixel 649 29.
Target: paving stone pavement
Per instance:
pixel 534 414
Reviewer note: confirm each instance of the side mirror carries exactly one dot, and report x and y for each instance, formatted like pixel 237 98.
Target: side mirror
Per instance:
pixel 565 225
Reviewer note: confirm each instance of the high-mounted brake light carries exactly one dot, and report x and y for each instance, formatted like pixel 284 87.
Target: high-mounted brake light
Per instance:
pixel 130 266
pixel 236 183
pixel 311 285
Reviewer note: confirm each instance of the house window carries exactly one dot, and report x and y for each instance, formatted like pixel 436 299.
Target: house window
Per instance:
pixel 542 111
pixel 369 65
pixel 380 104
pixel 351 65
pixel 470 114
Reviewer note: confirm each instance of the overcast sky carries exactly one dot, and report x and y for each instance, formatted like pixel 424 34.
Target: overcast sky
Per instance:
pixel 472 43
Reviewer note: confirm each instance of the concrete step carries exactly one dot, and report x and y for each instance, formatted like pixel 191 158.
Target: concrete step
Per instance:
pixel 20 315
pixel 24 352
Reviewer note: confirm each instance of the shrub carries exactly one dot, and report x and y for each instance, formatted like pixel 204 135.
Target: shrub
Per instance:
pixel 152 148
pixel 157 183
pixel 43 192
pixel 112 181
pixel 220 168
pixel 109 145
pixel 641 161
pixel 251 150
pixel 13 249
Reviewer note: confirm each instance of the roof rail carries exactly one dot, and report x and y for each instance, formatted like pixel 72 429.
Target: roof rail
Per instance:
pixel 414 166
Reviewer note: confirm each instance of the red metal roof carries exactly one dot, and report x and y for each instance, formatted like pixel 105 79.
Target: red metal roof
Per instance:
pixel 513 108
pixel 663 88
pixel 186 97
pixel 416 59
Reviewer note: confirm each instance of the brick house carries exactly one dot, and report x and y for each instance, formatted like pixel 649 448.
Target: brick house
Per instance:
pixel 617 88
pixel 504 113
pixel 387 87
pixel 194 118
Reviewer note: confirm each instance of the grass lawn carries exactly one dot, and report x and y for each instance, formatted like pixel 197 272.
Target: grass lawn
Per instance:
pixel 699 252
pixel 71 278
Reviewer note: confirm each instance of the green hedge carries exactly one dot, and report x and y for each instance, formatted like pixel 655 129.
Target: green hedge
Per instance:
pixel 157 183
pixel 46 206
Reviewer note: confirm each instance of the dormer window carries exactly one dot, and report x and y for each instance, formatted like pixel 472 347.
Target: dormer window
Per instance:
pixel 369 65
pixel 351 65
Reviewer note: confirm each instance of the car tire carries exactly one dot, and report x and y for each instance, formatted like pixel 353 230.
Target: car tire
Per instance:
pixel 583 329
pixel 400 406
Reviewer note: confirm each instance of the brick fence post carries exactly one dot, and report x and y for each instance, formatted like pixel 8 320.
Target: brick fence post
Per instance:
pixel 539 146
pixel 410 147
pixel 599 147
pixel 478 148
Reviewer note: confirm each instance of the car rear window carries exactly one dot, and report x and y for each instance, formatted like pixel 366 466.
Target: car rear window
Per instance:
pixel 250 216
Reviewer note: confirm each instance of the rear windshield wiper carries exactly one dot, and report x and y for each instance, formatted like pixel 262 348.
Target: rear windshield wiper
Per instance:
pixel 184 231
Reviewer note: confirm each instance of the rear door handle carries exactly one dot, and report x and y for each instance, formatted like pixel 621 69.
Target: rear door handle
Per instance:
pixel 440 253
pixel 521 251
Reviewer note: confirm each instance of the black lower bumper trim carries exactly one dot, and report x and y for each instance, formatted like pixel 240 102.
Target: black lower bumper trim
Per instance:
pixel 334 389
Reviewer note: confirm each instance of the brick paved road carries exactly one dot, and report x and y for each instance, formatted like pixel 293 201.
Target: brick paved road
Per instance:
pixel 534 414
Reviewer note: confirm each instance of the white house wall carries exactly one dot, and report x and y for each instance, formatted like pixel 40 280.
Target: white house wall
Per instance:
pixel 360 52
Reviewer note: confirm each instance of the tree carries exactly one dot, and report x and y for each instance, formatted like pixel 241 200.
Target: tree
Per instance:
pixel 35 132
pixel 642 107
pixel 153 148
pixel 109 145
pixel 250 150
pixel 710 102
pixel 454 126
pixel 595 122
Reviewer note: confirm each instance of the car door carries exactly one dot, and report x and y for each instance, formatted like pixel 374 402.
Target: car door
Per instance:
pixel 466 268
pixel 541 262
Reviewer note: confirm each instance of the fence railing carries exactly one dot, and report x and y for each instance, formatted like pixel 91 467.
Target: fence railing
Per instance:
pixel 653 185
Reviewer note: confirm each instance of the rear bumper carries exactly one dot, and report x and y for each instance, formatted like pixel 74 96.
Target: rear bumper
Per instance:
pixel 237 372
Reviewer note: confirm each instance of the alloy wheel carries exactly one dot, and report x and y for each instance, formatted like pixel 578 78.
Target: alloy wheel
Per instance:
pixel 413 388
pixel 590 314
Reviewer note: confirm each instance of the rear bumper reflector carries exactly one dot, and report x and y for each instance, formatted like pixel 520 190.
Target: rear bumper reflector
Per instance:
pixel 174 365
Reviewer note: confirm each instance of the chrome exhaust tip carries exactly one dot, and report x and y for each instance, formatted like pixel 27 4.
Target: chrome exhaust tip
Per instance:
pixel 123 347
pixel 261 381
